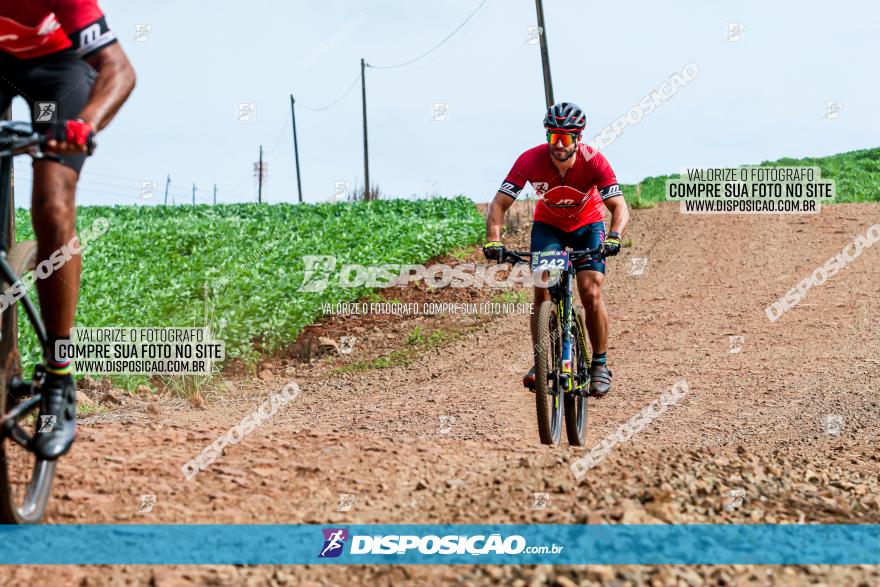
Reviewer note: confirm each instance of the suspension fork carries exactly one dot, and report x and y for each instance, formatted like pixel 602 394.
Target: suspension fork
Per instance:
pixel 564 312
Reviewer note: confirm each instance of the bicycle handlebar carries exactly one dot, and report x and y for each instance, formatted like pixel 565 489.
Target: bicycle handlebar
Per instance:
pixel 17 138
pixel 517 256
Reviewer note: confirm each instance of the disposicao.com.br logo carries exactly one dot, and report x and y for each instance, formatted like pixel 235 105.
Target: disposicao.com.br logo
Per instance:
pixel 393 544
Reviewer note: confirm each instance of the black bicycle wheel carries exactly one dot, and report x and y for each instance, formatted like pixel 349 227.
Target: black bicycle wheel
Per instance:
pixel 547 401
pixel 25 480
pixel 576 403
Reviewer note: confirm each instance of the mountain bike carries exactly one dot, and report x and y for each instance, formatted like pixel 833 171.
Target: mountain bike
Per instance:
pixel 25 479
pixel 562 355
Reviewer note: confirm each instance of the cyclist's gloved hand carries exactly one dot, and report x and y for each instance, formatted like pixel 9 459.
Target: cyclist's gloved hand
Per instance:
pixel 72 135
pixel 493 250
pixel 611 246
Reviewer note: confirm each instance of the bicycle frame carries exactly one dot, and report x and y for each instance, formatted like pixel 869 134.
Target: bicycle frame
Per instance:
pixel 18 388
pixel 569 377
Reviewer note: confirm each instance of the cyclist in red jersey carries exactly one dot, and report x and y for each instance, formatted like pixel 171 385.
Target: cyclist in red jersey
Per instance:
pixel 574 184
pixel 63 59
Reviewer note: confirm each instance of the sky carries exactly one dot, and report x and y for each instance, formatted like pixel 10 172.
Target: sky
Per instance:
pixel 761 93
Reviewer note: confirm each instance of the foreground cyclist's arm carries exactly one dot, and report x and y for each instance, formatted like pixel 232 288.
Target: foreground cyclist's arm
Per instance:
pixel 619 213
pixel 113 85
pixel 494 220
pixel 115 82
pixel 495 217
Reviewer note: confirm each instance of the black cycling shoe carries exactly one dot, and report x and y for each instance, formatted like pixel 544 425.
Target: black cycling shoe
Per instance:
pixel 55 428
pixel 600 380
pixel 529 379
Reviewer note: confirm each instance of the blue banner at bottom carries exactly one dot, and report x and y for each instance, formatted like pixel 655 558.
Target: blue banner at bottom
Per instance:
pixel 560 544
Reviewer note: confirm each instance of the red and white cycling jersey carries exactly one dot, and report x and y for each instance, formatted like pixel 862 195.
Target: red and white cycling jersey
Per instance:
pixel 35 28
pixel 569 202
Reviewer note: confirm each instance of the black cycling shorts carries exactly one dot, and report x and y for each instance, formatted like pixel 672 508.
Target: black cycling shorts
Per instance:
pixel 62 79
pixel 546 237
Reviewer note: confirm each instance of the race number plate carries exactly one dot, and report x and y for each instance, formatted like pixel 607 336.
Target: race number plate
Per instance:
pixel 550 260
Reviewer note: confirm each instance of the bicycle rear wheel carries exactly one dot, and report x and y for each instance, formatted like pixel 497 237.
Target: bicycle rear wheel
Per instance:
pixel 25 480
pixel 547 400
pixel 576 402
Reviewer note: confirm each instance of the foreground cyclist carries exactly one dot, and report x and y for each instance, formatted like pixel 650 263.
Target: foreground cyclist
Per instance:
pixel 574 184
pixel 62 58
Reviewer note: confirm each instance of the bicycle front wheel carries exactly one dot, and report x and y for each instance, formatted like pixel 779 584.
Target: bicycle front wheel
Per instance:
pixel 547 393
pixel 576 402
pixel 25 480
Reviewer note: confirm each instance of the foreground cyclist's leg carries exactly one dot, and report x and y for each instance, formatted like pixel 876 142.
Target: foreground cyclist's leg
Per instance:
pixel 590 289
pixel 67 80
pixel 544 238
pixel 590 277
pixel 54 214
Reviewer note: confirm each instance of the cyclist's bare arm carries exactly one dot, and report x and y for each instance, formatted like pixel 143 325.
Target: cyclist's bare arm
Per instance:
pixel 115 82
pixel 619 214
pixel 495 216
pixel 112 87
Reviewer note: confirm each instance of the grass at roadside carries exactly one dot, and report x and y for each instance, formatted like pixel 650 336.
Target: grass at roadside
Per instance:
pixel 856 173
pixel 239 268
pixel 416 341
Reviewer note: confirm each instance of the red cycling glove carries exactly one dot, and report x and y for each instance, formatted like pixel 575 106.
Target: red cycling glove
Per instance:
pixel 77 132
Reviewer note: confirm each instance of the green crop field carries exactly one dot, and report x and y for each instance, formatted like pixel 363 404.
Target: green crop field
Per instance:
pixel 237 268
pixel 856 173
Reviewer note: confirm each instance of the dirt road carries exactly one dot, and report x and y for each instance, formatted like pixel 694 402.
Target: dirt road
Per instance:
pixel 788 416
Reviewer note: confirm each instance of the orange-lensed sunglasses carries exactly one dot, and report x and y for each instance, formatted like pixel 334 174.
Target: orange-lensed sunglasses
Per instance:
pixel 567 138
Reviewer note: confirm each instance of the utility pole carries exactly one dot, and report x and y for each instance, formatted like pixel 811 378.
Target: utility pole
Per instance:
pixel 167 184
pixel 261 172
pixel 367 192
pixel 299 186
pixel 194 193
pixel 545 56
pixel 215 194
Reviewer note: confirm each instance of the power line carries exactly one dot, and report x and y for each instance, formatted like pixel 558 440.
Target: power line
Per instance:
pixel 437 46
pixel 337 100
pixel 280 135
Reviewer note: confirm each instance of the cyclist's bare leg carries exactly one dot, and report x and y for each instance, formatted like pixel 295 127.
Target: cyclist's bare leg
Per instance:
pixel 590 290
pixel 53 214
